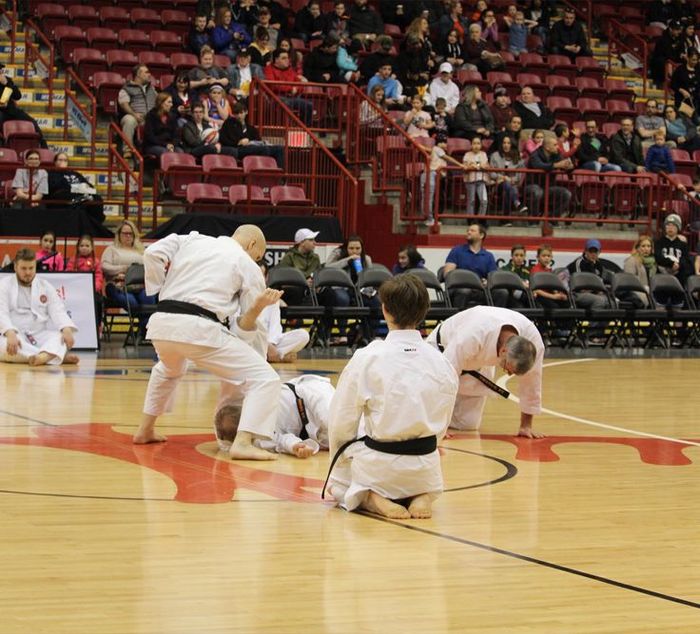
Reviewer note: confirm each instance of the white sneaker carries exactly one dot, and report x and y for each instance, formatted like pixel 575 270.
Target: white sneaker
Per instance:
pixel 430 222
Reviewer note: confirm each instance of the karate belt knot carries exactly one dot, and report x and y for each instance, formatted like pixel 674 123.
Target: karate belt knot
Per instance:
pixel 175 307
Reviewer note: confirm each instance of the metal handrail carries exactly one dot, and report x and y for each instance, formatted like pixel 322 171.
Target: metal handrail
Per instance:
pixel 133 176
pixel 32 54
pixel 10 7
pixel 639 48
pixel 90 117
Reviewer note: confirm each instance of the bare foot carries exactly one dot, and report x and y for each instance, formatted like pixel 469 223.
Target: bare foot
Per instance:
pixel 375 503
pixel 290 358
pixel 146 438
pixel 42 358
pixel 302 451
pixel 244 449
pixel 421 507
pixel 71 359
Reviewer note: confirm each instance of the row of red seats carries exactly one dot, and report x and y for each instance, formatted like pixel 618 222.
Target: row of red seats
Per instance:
pixel 212 194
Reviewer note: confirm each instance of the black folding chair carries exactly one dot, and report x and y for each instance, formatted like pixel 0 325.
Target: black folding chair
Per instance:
pixel 610 314
pixel 561 321
pixel 440 304
pixel 134 282
pixel 641 321
pixel 683 316
pixel 517 296
pixel 370 280
pixel 467 286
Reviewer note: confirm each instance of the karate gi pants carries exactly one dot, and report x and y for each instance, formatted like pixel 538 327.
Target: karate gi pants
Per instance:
pixel 50 341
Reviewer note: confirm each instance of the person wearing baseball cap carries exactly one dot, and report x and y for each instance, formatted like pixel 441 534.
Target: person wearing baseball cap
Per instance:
pixel 671 249
pixel 443 86
pixel 301 256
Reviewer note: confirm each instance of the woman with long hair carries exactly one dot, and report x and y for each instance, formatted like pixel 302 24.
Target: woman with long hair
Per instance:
pixel 160 130
pixel 642 264
pixel 407 258
pixel 183 97
pixel 261 50
pixel 507 157
pixel 228 37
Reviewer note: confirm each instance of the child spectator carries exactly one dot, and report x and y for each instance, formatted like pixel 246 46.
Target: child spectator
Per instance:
pixel 86 261
pixel 442 120
pixel 417 120
pixel 659 157
pixel 347 60
pixel 518 256
pixel 407 258
pixel 438 165
pixel 200 35
pixel 547 299
pixel 567 148
pixel 47 258
pixel 533 143
pixel 518 32
pixel 474 162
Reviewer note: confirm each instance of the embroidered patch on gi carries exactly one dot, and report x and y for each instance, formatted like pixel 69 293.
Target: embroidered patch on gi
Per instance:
pixel 43 299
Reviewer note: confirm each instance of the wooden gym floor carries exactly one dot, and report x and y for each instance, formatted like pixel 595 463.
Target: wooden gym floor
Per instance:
pixel 592 530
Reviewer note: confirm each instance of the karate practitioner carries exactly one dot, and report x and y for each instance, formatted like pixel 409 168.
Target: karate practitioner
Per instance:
pixel 34 325
pixel 481 338
pixel 202 282
pixel 406 391
pixel 302 419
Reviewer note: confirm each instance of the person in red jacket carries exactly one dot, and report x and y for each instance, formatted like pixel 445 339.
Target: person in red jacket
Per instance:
pixel 86 261
pixel 280 69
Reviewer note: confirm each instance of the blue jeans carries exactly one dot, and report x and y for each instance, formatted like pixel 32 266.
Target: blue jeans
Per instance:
pixel 598 167
pixel 132 301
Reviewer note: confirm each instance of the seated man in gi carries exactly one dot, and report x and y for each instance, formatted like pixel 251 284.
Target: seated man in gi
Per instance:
pixel 406 393
pixel 302 419
pixel 481 338
pixel 34 325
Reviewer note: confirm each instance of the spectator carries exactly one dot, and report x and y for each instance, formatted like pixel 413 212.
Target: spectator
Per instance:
pixel 658 158
pixel 471 257
pixel 228 36
pixel 183 97
pixel 681 130
pixel 568 37
pixel 685 82
pixel 451 50
pixel 265 22
pixel 453 21
pixel 589 262
pixel 419 29
pixel 533 144
pixel 691 42
pixel 296 58
pixel 371 63
pixel 626 149
pixel 280 70
pixel 47 257
pixel 238 134
pixel 671 250
pixel 642 264
pixel 502 110
pixel 516 265
pixel 301 256
pixel 337 22
pixel 69 187
pixel 9 110
pixel 567 149
pixel 198 139
pixel 241 75
pixel 508 18
pixel 668 48
pixel 369 116
pixel 365 23
pixel 309 23
pixel 477 54
pixel 160 130
pixel 474 163
pixel 649 123
pixel 441 118
pixel 216 107
pixel 507 157
pixel 320 65
pixel 261 49
pixel 518 32
pixel 136 98
pixel 86 261
pixel 443 86
pixel 200 35
pixel 513 131
pixel 594 153
pixel 278 15
pixel 547 159
pixel 202 77
pixel 472 116
pixel 348 62
pixel 439 158
pixel 533 113
pixel 398 13
pixel 417 120
pixel 547 299
pixel 479 10
pixel 540 11
pixel 489 29
pixel 413 66
pixel 408 258
pixel 660 13
pixel 245 12
pixel 393 90
pixel 31 183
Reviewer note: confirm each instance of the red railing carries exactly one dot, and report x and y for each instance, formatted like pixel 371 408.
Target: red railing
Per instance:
pixel 583 9
pixel 132 179
pixel 84 119
pixel 684 203
pixel 8 23
pixel 622 40
pixel 34 57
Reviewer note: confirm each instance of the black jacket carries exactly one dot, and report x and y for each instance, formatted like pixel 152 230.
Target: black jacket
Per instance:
pixel 155 132
pixel 317 63
pixel 233 131
pixel 530 120
pixel 587 151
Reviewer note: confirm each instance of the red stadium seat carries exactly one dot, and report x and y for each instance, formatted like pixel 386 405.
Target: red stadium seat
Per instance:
pixel 221 170
pixel 591 109
pixel 115 18
pixel 107 87
pixel 20 135
pixel 102 38
pixel 589 67
pixel 263 170
pixel 561 86
pixel 222 60
pixel 618 89
pixel 167 42
pixel 610 128
pixel 591 89
pixel 496 77
pixel 9 162
pixel 618 110
pixel 183 61
pixel 51 15
pixel 561 65
pixel 88 61
pixel 534 63
pixel 176 21
pixel 684 164
pixel 562 109
pixel 458 147
pixel 158 63
pixel 472 78
pixel 289 195
pixel 83 16
pixel 592 191
pixel 178 171
pixel 145 19
pixel 242 194
pixel 205 194
pixel 135 40
pixel 68 38
pixel 121 61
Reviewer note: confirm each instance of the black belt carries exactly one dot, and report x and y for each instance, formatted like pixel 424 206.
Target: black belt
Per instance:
pixel 477 375
pixel 301 408
pixel 176 307
pixel 410 447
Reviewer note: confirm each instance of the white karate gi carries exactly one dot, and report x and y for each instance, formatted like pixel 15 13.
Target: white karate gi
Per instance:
pixel 37 314
pixel 216 274
pixel 316 392
pixel 470 341
pixel 284 342
pixel 405 389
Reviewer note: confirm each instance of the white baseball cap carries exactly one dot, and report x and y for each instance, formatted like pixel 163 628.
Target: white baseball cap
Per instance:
pixel 446 67
pixel 305 234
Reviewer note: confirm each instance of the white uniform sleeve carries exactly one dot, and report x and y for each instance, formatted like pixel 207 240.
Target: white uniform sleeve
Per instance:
pixel 463 351
pixel 284 443
pixel 57 310
pixel 271 321
pixel 155 261
pixel 253 283
pixel 346 406
pixel 5 319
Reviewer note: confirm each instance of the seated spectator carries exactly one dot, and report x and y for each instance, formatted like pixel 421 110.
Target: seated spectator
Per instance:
pixel 502 110
pixel 594 152
pixel 393 90
pixel 202 77
pixel 451 50
pixel 9 110
pixel 116 259
pixel 589 262
pixel 217 107
pixel 489 29
pixel 368 115
pixel 547 299
pixel 86 261
pixel 228 36
pixel 507 157
pixel 472 116
pixel 478 12
pixel 365 23
pixel 136 98
pixel 658 158
pixel 453 21
pixel 518 32
pixel 540 11
pixel 68 187
pixel 567 149
pixel 47 257
pixel 546 158
pixel 370 64
pixel 626 149
pixel 470 257
pixel 160 130
pixel 309 23
pixel 280 70
pixel 199 36
pixel 31 183
pixel 517 265
pixel 198 139
pixel 442 119
pixel 443 86
pixel 265 22
pixel 320 65
pixel 407 258
pixel 642 264
pixel 348 61
pixel 296 58
pixel 671 250
pixel 278 14
pixel 261 49
pixel 649 123
pixel 474 162
pixel 513 130
pixel 691 42
pixel 533 113
pixel 681 130
pixel 568 37
pixel 245 13
pixel 245 139
pixel 668 48
pixel 685 82
pixel 241 75
pixel 477 54
pixel 301 256
pixel 418 122
pixel 337 22
pixel 533 144
pixel 413 66
pixel 183 97
pixel 508 18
